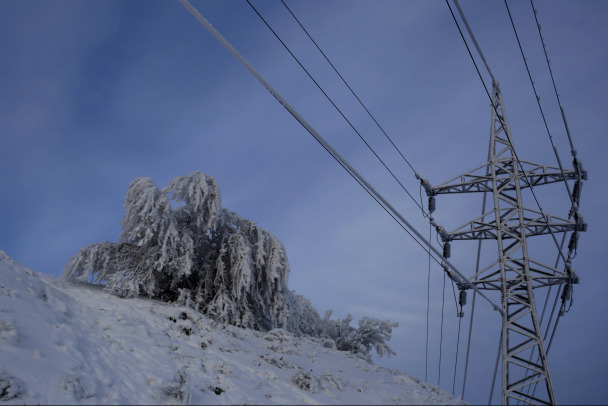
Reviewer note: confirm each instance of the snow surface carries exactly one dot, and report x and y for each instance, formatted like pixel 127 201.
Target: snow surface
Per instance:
pixel 76 344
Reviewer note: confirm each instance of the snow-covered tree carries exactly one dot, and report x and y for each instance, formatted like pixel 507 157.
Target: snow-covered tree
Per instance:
pixel 153 254
pixel 372 333
pixel 201 255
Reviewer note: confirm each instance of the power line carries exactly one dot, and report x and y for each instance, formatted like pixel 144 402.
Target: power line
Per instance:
pixel 495 368
pixel 351 125
pixel 459 314
pixel 456 361
pixel 542 113
pixel 371 149
pixel 477 264
pixel 441 330
pixel 428 304
pixel 469 49
pixel 468 27
pixel 430 220
pixel 398 217
pixel 542 40
pixel 350 88
pixel 334 104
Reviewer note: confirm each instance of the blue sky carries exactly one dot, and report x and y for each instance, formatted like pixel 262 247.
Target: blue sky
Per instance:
pixel 95 94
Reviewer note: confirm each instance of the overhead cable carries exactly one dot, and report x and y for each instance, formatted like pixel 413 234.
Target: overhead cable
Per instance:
pixel 456 361
pixel 469 51
pixel 498 356
pixel 466 24
pixel 542 40
pixel 350 88
pixel 441 331
pixel 542 113
pixel 477 264
pixel 335 106
pixel 358 177
pixel 428 305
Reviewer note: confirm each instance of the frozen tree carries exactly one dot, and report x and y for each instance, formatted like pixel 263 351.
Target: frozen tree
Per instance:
pixel 166 249
pixel 251 273
pixel 372 333
pixel 202 206
pixel 152 254
pixel 198 254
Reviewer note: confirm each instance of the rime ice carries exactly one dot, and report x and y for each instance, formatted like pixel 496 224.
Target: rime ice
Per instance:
pixel 212 260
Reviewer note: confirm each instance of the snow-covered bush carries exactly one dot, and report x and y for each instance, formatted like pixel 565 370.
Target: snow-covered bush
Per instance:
pixel 10 387
pixel 200 255
pixel 372 333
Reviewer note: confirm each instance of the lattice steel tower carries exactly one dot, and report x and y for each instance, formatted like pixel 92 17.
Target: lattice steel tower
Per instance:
pixel 515 274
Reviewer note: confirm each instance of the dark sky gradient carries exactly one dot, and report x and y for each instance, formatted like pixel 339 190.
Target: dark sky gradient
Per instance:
pixel 95 94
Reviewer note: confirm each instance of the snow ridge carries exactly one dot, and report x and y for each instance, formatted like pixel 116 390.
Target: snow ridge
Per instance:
pixel 64 343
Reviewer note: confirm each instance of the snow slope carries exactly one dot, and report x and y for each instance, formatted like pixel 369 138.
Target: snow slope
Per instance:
pixel 67 344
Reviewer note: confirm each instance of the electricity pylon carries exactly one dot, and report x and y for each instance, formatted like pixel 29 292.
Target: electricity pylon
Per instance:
pixel 515 274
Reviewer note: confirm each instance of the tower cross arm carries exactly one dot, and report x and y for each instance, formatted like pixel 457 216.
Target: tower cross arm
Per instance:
pixel 541 275
pixel 480 180
pixel 486 227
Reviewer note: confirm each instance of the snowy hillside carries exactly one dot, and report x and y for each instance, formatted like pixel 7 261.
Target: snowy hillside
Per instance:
pixel 66 344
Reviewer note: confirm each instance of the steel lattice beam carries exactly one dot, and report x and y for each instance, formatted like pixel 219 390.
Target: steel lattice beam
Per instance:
pixel 479 180
pixel 508 223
